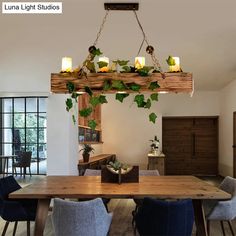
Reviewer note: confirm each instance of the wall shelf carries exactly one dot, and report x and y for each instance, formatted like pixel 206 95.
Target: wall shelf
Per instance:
pixel 180 82
pixel 89 136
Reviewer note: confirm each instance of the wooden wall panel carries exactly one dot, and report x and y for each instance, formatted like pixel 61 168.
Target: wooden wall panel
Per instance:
pixel 96 114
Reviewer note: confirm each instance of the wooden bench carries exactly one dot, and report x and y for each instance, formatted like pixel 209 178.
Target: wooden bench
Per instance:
pixel 95 162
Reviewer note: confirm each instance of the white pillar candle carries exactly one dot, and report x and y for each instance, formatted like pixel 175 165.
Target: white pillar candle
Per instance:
pixel 176 67
pixel 139 62
pixel 66 65
pixel 104 68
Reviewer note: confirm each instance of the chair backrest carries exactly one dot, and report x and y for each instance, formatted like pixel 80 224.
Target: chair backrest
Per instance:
pixel 8 185
pixel 159 217
pixel 24 159
pixel 229 185
pixel 88 218
pixel 223 210
pixel 92 172
pixel 148 173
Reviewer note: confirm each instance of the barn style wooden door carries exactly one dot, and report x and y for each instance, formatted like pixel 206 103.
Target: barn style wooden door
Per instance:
pixel 190 145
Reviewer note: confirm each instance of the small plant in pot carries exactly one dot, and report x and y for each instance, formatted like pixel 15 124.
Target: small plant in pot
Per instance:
pixel 87 149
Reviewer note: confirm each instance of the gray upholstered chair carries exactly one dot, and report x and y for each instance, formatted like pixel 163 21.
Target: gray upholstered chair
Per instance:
pixel 222 210
pixel 148 172
pixel 88 218
pixel 92 172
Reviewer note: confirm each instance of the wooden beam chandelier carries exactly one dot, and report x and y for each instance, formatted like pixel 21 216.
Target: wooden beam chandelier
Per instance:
pixel 119 76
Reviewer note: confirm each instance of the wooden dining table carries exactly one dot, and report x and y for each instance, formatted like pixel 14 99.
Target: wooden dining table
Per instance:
pixel 161 187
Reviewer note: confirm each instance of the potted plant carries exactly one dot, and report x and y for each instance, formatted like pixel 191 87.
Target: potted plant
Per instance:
pixel 155 145
pixel 117 172
pixel 87 149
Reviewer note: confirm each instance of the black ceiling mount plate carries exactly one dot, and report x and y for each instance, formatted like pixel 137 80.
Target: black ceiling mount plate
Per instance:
pixel 121 6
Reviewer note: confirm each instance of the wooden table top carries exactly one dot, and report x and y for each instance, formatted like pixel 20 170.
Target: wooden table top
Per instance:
pixel 171 187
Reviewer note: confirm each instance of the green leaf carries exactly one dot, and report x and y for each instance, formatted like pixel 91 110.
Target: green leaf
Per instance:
pixel 154 85
pixel 152 117
pixel 70 86
pixel 126 69
pixel 148 103
pixel 96 52
pixel 121 96
pixel 85 112
pixel 92 124
pixel 145 70
pixel 91 67
pixel 118 84
pixel 170 61
pixel 107 85
pixel 75 95
pixel 135 87
pixel 121 62
pixel 88 91
pixel 102 99
pixel 139 99
pixel 102 64
pixel 154 96
pixel 69 104
pixel 94 101
pixel 73 118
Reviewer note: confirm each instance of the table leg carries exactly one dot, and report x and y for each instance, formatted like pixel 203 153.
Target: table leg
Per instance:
pixel 7 166
pixel 12 168
pixel 4 167
pixel 199 215
pixel 41 216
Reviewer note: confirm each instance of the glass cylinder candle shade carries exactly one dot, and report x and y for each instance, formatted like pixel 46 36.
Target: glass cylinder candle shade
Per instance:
pixel 66 65
pixel 176 67
pixel 104 68
pixel 139 62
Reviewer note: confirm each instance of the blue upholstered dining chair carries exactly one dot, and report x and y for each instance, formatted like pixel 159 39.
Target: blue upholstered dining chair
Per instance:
pixel 222 210
pixel 165 218
pixel 138 201
pixel 12 210
pixel 88 218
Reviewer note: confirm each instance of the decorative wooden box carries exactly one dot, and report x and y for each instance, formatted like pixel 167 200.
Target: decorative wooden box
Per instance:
pixel 108 176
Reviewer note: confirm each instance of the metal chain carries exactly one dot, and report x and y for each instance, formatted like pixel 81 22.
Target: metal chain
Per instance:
pixel 101 28
pixel 153 56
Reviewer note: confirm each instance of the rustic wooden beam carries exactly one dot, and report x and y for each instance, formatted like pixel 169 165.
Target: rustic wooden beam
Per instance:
pixel 174 82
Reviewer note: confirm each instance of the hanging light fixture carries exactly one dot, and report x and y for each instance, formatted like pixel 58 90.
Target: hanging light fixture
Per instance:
pixel 118 76
pixel 177 81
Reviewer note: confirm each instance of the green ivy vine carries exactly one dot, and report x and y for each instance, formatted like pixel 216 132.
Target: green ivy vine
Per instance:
pixel 118 85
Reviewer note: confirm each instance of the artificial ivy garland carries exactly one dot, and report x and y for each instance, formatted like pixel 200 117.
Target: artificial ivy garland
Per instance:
pixel 119 85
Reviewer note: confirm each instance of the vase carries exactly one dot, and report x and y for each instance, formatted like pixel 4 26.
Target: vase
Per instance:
pixel 86 157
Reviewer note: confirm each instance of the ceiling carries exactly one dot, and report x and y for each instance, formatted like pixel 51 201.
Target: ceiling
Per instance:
pixel 202 33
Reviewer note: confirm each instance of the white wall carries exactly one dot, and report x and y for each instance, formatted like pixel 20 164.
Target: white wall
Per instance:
pixel 127 130
pixel 31 48
pixel 227 107
pixel 62 135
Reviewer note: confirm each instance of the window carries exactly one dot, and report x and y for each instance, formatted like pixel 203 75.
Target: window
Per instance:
pixel 23 128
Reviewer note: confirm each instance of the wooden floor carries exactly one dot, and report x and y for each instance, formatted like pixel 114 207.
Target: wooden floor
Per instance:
pixel 121 222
